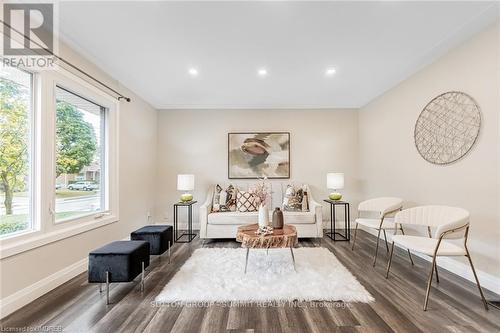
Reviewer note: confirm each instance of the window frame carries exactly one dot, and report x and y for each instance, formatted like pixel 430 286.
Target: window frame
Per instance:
pixel 104 158
pixel 44 228
pixel 33 163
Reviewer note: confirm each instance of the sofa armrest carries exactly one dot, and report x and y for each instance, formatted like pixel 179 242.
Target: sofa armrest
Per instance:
pixel 205 209
pixel 317 208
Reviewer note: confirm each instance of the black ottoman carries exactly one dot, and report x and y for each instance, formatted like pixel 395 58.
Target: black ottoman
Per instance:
pixel 119 261
pixel 159 237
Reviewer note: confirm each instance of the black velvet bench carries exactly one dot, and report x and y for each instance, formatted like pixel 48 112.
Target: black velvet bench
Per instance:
pixel 119 261
pixel 159 237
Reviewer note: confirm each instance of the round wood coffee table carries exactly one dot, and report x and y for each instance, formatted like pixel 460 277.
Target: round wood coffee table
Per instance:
pixel 280 238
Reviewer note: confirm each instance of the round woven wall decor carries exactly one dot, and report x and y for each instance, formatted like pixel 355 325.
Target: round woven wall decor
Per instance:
pixel 447 127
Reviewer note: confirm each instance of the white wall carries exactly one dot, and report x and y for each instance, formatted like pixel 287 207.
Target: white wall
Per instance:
pixel 196 142
pixel 30 273
pixel 391 165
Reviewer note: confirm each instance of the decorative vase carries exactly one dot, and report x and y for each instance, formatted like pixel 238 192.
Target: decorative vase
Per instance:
pixel 186 197
pixel 277 218
pixel 263 216
pixel 335 196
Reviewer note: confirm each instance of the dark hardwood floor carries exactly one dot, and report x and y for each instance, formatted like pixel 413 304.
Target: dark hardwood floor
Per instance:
pixel 454 305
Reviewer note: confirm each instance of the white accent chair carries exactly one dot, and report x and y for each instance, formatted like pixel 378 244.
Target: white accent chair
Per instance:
pixel 450 223
pixel 378 211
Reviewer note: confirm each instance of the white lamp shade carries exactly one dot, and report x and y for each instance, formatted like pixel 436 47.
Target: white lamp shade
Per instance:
pixel 335 181
pixel 185 182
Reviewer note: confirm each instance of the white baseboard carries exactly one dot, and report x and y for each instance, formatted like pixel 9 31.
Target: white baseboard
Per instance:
pixel 27 295
pixel 487 280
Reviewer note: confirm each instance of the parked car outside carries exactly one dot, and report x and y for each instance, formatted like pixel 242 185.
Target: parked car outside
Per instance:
pixel 83 185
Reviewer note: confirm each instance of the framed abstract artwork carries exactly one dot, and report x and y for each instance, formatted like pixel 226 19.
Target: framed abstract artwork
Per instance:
pixel 257 155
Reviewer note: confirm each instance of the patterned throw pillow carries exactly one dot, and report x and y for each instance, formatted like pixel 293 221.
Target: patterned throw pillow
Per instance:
pixel 246 202
pixel 224 200
pixel 295 199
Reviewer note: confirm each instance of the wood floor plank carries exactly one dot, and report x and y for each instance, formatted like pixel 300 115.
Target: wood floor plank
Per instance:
pixel 215 319
pixel 454 305
pixel 189 320
pixel 163 320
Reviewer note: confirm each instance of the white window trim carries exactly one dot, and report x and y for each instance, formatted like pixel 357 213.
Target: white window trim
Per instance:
pixel 44 229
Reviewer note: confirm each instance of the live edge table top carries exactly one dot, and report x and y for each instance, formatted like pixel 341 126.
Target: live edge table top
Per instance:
pixel 280 238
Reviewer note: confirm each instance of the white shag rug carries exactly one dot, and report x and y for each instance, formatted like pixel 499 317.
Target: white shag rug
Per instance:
pixel 217 275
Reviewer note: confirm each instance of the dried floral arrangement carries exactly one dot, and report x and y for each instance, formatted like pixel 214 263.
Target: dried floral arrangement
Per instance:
pixel 261 191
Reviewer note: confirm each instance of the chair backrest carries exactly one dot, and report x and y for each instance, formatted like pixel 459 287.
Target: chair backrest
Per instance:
pixel 443 218
pixel 381 205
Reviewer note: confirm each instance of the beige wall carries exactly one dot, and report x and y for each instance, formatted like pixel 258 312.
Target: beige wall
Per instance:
pixel 155 147
pixel 137 168
pixel 196 142
pixel 391 165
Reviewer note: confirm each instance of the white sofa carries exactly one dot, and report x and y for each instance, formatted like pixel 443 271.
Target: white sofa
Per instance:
pixel 225 224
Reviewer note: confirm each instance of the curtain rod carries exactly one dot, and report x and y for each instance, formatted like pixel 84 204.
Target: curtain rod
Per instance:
pixel 120 96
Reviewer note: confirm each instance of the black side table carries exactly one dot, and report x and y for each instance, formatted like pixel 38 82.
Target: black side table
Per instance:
pixel 190 234
pixel 347 221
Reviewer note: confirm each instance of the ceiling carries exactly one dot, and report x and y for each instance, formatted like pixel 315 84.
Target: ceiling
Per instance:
pixel 150 46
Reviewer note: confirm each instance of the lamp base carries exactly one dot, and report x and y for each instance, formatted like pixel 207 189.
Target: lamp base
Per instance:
pixel 335 196
pixel 186 197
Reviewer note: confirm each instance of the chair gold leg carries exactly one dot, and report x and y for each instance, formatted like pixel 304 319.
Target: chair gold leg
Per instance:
pixel 354 238
pixel 477 280
pixel 409 253
pixel 429 283
pixel 390 261
pixel 376 248
pixel 411 259
pixel 385 238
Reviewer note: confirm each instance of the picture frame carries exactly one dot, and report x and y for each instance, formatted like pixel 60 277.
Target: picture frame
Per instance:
pixel 253 155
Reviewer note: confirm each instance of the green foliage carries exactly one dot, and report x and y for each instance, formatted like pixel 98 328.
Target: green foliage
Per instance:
pixel 8 228
pixel 76 140
pixel 14 132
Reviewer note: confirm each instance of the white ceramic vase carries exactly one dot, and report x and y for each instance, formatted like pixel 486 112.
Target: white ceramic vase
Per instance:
pixel 263 216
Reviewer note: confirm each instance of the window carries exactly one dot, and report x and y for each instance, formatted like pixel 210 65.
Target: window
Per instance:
pixel 80 186
pixel 16 95
pixel 58 158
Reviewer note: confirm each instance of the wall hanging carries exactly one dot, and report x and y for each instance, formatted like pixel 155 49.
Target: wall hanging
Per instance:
pixel 256 155
pixel 447 128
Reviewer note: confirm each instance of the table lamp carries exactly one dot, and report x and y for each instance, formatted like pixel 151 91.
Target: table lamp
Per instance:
pixel 185 183
pixel 335 182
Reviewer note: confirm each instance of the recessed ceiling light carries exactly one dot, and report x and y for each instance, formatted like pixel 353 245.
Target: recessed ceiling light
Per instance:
pixel 193 72
pixel 330 71
pixel 262 72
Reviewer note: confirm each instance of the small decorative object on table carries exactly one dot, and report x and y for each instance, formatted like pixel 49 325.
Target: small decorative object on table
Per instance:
pixel 335 182
pixel 185 183
pixel 281 238
pixel 264 231
pixel 261 193
pixel 277 218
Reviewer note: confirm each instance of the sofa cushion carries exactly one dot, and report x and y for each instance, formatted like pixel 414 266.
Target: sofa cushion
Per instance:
pixel 224 200
pixel 295 199
pixel 233 218
pixel 299 217
pixel 237 218
pixel 246 202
